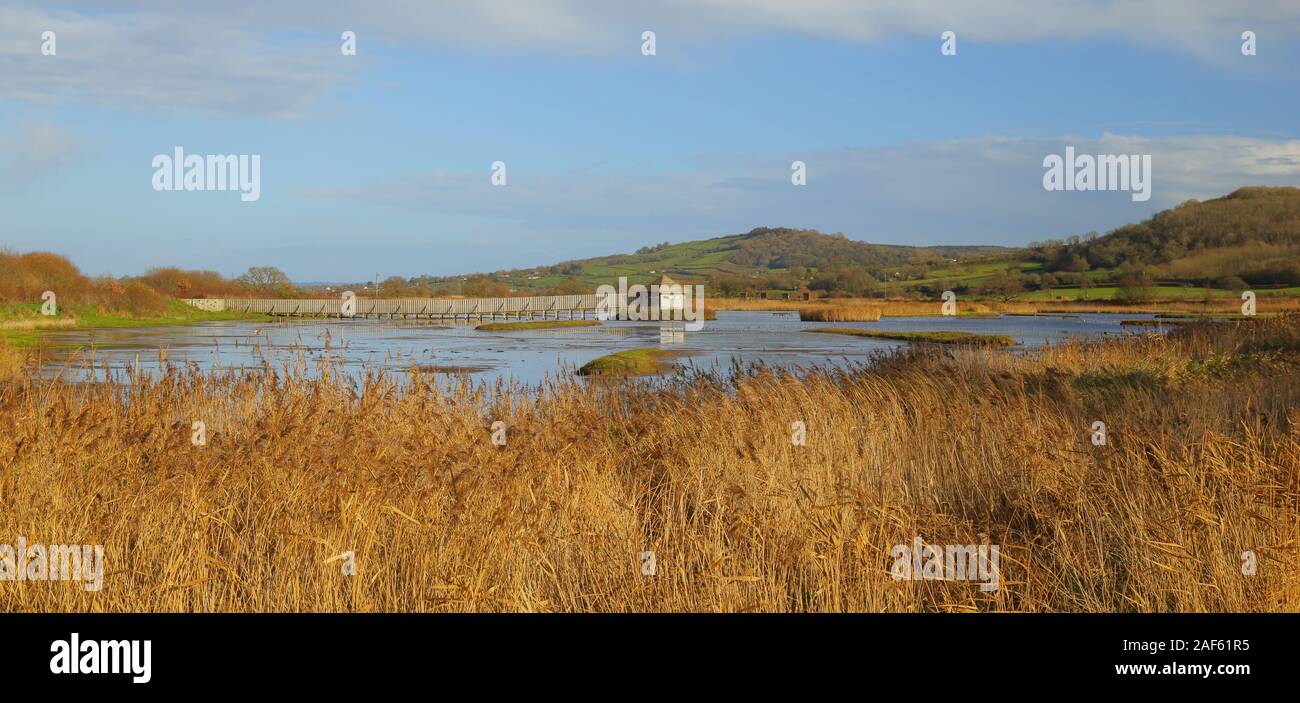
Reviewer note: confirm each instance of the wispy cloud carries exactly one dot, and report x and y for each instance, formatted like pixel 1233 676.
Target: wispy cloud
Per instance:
pixel 149 61
pixel 580 25
pixel 36 150
pixel 232 57
pixel 970 191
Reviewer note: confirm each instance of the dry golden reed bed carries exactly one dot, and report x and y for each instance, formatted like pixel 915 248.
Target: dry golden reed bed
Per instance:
pixel 1201 465
pixel 867 310
pixel 860 312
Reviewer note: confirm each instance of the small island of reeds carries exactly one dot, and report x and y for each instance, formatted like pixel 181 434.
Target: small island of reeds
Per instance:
pixel 633 362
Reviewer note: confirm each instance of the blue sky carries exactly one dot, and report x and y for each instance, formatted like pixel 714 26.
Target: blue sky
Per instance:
pixel 380 162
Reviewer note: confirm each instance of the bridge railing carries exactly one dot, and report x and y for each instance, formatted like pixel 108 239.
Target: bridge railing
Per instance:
pixel 434 307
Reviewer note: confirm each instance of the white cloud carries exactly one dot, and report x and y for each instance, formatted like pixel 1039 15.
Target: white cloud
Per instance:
pixel 151 61
pixel 37 150
pixel 986 191
pixel 233 57
pixel 1190 24
pixel 587 24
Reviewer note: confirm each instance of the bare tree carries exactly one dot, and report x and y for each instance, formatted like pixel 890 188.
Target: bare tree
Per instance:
pixel 266 279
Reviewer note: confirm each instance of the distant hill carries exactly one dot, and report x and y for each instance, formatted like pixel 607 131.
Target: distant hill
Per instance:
pixel 1252 233
pixel 763 250
pixel 783 248
pixel 1250 236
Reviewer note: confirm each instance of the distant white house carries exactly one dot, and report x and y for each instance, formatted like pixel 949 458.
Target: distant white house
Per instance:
pixel 669 295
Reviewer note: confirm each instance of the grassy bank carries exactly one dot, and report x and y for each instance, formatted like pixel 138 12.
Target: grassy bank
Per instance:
pixel 533 325
pixel 996 340
pixel 1170 321
pixel 865 310
pixel 858 309
pixel 22 325
pixel 1216 315
pixel 1171 294
pixel 633 362
pixel 963 447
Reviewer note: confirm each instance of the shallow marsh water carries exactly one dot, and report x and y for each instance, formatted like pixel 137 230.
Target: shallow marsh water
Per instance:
pixel 525 357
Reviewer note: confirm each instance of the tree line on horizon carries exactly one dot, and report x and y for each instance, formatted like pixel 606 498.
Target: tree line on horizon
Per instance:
pixel 24 277
pixel 1250 237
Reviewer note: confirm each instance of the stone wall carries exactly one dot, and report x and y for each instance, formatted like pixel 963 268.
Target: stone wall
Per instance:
pixel 209 304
